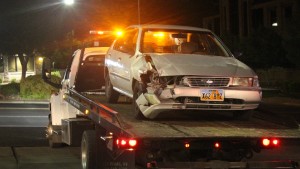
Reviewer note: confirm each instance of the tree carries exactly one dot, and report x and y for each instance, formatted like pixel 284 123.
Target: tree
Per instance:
pixel 22 42
pixel 24 29
pixel 263 49
pixel 61 51
pixel 291 38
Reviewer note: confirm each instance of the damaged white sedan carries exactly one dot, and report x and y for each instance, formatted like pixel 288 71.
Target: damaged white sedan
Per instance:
pixel 165 67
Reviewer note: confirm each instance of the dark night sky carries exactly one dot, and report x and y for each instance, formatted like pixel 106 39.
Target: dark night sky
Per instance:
pixel 47 17
pixel 53 18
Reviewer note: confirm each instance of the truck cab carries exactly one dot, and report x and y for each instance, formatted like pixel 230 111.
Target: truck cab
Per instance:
pixel 84 73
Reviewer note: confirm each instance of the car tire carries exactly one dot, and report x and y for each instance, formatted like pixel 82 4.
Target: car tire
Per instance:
pixel 112 96
pixel 243 115
pixel 88 149
pixel 137 91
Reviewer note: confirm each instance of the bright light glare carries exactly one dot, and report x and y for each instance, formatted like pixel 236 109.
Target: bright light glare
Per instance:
pixel 274 24
pixel 119 33
pixel 132 143
pixel 275 142
pixel 69 2
pixel 217 145
pixel 40 59
pixel 266 142
pixel 159 34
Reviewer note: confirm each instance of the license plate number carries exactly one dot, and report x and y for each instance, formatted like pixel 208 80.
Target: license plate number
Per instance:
pixel 212 95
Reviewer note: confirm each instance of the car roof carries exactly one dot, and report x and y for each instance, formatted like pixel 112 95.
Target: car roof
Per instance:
pixel 96 50
pixel 158 26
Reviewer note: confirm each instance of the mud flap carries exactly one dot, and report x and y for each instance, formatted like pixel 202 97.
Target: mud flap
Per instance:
pixel 110 158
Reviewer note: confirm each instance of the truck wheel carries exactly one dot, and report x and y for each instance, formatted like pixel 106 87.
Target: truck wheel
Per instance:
pixel 112 96
pixel 137 91
pixel 88 149
pixel 244 115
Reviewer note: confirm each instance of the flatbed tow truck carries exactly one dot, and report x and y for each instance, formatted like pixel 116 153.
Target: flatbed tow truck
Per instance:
pixel 111 137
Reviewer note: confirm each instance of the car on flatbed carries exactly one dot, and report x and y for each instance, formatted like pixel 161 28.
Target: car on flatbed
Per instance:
pixel 166 68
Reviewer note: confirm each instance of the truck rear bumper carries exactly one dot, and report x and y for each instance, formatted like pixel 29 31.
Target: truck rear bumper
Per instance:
pixel 226 165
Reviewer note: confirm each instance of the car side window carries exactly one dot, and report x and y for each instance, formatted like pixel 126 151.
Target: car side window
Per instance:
pixel 127 42
pixel 68 70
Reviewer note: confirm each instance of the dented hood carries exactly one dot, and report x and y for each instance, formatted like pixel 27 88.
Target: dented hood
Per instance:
pixel 192 64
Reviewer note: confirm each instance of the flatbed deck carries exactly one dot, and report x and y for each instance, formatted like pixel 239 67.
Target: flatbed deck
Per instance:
pixel 199 124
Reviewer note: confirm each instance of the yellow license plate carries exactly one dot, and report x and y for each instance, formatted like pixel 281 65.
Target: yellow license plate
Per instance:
pixel 212 95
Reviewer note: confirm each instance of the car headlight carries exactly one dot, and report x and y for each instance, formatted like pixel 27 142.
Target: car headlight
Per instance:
pixel 245 81
pixel 255 82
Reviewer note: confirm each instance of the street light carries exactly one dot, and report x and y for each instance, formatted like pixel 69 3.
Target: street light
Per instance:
pixel 69 2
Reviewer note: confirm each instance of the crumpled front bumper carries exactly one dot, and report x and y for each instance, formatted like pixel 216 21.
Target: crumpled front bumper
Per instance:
pixel 166 102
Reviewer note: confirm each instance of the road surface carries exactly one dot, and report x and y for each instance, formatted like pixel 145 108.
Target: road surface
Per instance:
pixel 22 140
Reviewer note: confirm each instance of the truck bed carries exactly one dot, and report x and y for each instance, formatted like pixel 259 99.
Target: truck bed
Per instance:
pixel 193 124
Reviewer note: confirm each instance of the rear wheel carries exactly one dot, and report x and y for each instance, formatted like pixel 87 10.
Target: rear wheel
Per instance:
pixel 244 115
pixel 112 96
pixel 88 149
pixel 137 91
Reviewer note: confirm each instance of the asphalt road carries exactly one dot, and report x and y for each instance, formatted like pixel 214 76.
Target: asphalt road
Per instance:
pixel 22 140
pixel 23 124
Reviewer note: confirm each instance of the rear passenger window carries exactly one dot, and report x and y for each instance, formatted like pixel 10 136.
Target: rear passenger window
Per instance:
pixel 127 43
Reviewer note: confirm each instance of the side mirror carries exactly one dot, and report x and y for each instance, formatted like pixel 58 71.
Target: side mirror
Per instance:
pixel 46 69
pixel 46 73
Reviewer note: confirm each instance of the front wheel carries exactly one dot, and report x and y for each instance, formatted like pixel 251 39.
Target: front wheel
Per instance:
pixel 88 149
pixel 112 96
pixel 243 115
pixel 137 91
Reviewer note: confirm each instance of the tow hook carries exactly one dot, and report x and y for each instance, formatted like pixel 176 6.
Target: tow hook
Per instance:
pixel 49 132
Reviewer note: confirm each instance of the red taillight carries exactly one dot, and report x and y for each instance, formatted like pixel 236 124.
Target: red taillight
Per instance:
pixel 187 145
pixel 124 143
pixel 268 143
pixel 275 142
pixel 217 145
pixel 132 143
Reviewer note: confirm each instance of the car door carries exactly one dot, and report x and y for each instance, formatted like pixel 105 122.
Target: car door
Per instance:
pixel 123 53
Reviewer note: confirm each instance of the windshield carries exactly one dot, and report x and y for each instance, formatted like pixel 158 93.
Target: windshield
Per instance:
pixel 181 41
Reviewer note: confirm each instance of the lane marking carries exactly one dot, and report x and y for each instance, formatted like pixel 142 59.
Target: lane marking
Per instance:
pixel 13 108
pixel 33 126
pixel 22 116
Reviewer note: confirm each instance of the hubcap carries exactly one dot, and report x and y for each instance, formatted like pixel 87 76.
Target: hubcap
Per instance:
pixel 83 154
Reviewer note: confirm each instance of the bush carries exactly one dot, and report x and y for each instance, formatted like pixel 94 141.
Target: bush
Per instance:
pixel 33 87
pixel 10 89
pixel 285 80
pixel 264 49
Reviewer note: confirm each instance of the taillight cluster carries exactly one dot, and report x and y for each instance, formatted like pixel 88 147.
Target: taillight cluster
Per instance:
pixel 269 142
pixel 125 143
